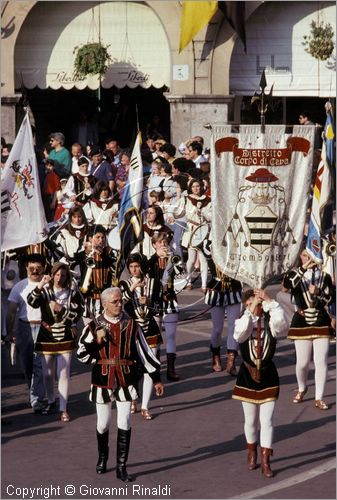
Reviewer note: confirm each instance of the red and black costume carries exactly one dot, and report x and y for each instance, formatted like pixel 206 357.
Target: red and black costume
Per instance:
pixel 119 362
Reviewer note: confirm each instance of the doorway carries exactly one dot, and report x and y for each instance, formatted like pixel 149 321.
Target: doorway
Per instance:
pixel 114 111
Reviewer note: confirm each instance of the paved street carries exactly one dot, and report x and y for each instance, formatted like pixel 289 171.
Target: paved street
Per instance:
pixel 193 448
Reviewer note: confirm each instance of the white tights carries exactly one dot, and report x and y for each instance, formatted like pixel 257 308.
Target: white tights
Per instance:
pixel 253 413
pixel 103 411
pixel 62 362
pixel 147 386
pixel 303 357
pixel 192 255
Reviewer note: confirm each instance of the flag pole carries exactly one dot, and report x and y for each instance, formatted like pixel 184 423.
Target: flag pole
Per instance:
pixel 263 100
pixel 137 118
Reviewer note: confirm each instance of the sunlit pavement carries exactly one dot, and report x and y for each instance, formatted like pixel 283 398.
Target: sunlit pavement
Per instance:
pixel 193 448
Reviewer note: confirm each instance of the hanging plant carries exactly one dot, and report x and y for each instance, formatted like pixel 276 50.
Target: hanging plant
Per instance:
pixel 91 59
pixel 319 43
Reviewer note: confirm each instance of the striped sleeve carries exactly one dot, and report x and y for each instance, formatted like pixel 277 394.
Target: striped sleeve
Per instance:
pixel 87 351
pixel 34 298
pixel 148 359
pixel 293 278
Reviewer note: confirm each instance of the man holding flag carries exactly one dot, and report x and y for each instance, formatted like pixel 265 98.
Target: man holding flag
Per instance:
pixel 130 220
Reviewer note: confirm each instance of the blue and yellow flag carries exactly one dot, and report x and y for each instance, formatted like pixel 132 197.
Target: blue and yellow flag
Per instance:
pixel 130 216
pixel 322 191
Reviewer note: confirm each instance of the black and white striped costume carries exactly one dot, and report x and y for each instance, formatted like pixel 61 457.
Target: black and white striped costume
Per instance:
pixel 68 244
pixel 311 319
pixel 101 277
pixel 223 294
pixel 119 362
pixel 222 290
pixel 161 275
pixel 273 322
pixel 55 335
pixel 142 314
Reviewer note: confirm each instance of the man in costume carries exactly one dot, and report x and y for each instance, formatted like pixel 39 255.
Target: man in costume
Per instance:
pixel 119 353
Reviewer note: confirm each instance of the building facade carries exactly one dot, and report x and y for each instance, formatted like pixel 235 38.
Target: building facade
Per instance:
pixel 210 81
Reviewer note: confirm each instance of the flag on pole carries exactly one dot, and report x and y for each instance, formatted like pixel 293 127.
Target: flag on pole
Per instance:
pixel 195 15
pixel 321 192
pixel 23 220
pixel 130 217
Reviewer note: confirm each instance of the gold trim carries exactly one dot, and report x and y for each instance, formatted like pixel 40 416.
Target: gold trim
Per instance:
pixel 310 337
pixel 254 401
pixel 56 352
pixel 308 327
pixel 256 390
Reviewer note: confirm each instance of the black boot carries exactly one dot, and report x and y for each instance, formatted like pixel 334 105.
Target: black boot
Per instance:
pixel 171 373
pixel 123 445
pixel 103 451
pixel 216 360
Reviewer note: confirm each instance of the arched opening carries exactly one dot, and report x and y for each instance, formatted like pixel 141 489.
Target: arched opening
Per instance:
pixel 275 42
pixel 137 76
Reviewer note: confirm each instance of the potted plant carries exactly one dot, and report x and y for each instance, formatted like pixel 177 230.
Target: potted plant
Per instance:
pixel 91 59
pixel 319 43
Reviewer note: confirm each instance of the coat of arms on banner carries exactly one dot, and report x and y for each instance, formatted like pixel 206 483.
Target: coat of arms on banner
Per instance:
pixel 256 221
pixel 260 183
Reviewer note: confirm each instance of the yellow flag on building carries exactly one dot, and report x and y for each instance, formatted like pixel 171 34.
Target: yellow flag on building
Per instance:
pixel 194 16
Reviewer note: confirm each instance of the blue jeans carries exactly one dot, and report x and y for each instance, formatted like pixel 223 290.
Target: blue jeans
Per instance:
pixel 26 335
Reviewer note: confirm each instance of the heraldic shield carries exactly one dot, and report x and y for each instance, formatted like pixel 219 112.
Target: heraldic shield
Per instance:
pixel 261 222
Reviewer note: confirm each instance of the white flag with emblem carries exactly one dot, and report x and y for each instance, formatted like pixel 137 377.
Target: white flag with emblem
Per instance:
pixel 260 185
pixel 23 220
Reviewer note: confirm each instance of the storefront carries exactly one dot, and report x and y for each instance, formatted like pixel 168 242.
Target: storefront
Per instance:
pixel 137 76
pixel 275 34
pixel 211 81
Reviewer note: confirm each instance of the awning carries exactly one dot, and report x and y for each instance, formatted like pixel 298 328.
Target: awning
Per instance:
pixel 138 45
pixel 274 40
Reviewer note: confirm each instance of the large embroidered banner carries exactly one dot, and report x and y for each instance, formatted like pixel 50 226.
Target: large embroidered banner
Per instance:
pixel 260 185
pixel 23 220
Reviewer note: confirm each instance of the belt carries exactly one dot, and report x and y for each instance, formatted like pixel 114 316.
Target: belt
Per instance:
pixel 33 322
pixel 114 362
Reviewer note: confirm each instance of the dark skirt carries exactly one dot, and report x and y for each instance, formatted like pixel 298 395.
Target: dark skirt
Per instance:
pixel 46 343
pixel 300 330
pixel 246 389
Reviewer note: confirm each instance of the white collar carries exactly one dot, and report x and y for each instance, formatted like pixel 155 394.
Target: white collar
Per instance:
pixel 114 319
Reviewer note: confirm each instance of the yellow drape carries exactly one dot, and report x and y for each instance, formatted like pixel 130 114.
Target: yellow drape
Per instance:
pixel 194 16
